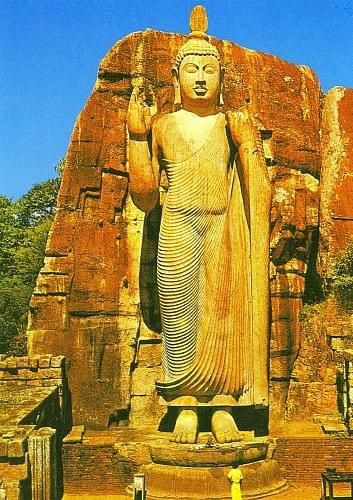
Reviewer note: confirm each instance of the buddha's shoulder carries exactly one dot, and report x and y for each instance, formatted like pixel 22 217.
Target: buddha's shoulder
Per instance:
pixel 164 124
pixel 177 117
pixel 161 120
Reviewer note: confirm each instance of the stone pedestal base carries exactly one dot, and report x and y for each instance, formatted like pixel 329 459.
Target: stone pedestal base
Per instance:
pixel 199 472
pixel 163 482
pixel 261 479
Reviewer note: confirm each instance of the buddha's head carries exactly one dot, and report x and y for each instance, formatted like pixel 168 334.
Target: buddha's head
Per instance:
pixel 198 74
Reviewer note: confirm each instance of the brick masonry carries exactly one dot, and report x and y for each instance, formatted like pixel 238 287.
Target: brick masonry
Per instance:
pixel 95 468
pixel 303 459
pixel 98 466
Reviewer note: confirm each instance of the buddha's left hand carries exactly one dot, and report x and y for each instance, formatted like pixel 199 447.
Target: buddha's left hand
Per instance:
pixel 242 128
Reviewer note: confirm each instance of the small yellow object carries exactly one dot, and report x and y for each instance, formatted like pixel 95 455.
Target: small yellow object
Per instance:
pixel 235 476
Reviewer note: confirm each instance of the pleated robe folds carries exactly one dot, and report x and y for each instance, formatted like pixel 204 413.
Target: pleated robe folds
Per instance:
pixel 212 273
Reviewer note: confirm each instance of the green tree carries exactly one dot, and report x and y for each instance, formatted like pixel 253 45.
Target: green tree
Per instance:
pixel 10 236
pixel 24 227
pixel 38 204
pixel 343 283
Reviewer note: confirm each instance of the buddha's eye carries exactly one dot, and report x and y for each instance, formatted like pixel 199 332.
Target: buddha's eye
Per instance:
pixel 191 68
pixel 209 69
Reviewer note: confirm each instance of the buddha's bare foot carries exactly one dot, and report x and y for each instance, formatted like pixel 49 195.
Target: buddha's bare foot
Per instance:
pixel 186 427
pixel 224 428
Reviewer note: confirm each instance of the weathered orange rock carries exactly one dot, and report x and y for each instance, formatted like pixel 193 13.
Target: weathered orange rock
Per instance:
pixel 86 303
pixel 295 205
pixel 317 373
pixel 336 208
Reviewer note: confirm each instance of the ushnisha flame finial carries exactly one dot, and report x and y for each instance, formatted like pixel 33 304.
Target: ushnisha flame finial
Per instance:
pixel 198 43
pixel 198 22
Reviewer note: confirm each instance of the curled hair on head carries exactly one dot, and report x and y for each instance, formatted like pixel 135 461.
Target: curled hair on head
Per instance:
pixel 196 47
pixel 198 43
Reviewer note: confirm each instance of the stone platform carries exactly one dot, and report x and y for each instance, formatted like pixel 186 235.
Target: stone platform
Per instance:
pixel 107 461
pixel 261 479
pixel 199 471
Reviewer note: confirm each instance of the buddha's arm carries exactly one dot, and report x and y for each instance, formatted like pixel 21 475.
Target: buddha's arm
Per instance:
pixel 252 159
pixel 248 141
pixel 144 174
pixel 143 170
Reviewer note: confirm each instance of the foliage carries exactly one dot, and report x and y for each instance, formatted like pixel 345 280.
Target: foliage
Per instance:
pixel 14 299
pixel 39 203
pixel 308 312
pixel 24 226
pixel 343 284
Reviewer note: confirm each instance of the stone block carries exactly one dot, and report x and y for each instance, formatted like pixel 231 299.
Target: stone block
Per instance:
pixel 16 447
pixel 12 363
pixel 12 474
pixel 55 284
pixel 33 362
pixel 48 312
pixel 57 361
pixel 281 367
pixel 132 452
pixel 30 374
pixel 75 435
pixel 149 355
pixel 50 373
pixel 42 382
pixel 3 447
pixel 44 361
pixel 8 374
pixel 334 428
pixel 145 411
pixel 143 381
pixel 22 362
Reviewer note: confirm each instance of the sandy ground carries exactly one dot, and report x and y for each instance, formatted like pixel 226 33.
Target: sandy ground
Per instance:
pixel 294 492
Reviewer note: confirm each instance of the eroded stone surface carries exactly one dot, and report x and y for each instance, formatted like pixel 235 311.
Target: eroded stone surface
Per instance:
pixel 316 380
pixel 294 217
pixel 336 217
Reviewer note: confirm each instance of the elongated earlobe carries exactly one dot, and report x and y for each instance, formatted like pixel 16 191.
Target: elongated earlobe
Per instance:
pixel 177 93
pixel 220 97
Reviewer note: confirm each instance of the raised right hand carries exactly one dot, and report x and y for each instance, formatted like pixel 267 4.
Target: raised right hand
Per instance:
pixel 139 115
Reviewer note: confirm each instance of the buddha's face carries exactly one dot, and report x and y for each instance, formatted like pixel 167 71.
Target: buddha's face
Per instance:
pixel 199 79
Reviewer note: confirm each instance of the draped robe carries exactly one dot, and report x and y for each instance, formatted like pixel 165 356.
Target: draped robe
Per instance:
pixel 215 348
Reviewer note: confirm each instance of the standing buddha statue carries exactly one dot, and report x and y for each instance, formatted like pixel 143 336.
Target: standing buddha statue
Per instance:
pixel 213 249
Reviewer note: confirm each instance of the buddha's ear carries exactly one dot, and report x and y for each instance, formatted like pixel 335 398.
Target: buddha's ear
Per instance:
pixel 221 80
pixel 177 93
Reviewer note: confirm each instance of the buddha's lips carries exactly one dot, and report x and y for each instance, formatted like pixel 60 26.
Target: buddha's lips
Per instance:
pixel 200 90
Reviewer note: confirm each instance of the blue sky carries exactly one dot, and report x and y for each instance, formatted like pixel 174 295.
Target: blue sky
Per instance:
pixel 50 51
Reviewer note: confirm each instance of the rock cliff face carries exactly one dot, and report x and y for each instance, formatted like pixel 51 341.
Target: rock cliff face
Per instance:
pixel 336 207
pixel 86 303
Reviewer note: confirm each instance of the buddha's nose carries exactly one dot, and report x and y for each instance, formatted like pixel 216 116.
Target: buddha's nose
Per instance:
pixel 201 76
